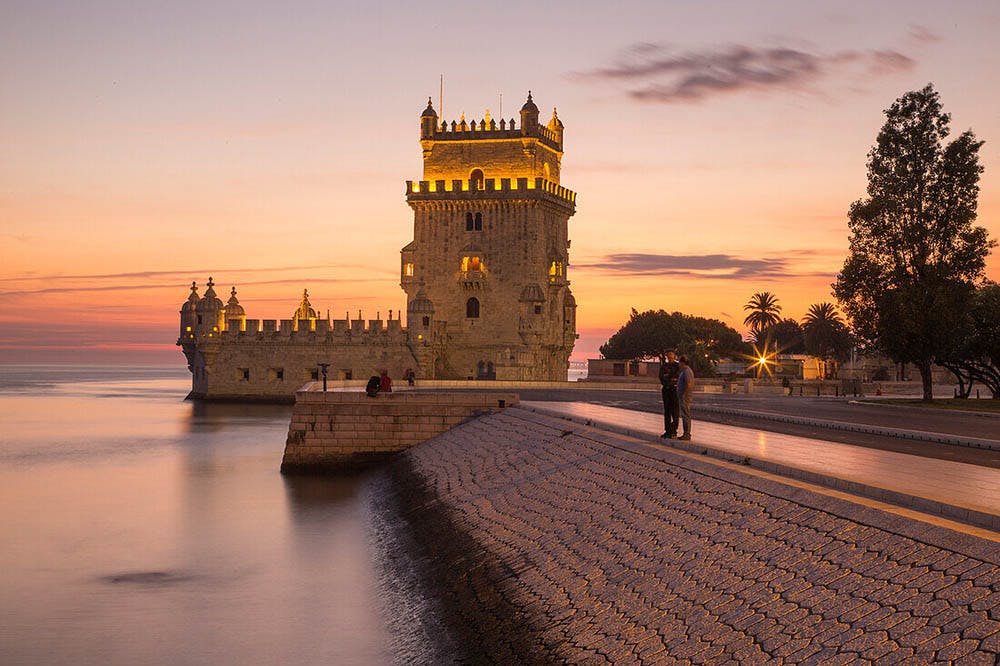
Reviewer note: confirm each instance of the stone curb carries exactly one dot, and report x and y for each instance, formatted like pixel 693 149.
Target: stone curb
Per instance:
pixel 917 435
pixel 923 410
pixel 922 504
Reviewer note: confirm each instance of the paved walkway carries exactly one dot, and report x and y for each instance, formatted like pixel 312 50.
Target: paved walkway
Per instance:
pixel 558 543
pixel 959 491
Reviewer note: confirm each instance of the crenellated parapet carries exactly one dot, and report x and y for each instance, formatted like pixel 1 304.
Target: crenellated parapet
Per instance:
pixel 499 188
pixel 488 129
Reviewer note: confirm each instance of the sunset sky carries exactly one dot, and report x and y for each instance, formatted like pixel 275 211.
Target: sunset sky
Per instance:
pixel 715 148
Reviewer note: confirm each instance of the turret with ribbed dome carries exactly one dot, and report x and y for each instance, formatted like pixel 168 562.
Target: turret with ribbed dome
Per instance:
pixel 235 315
pixel 189 314
pixel 529 117
pixel 428 121
pixel 209 311
pixel 305 311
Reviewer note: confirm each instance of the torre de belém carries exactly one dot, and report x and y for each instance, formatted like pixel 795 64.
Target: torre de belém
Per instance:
pixel 485 279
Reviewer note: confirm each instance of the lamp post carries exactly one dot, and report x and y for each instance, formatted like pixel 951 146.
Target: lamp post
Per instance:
pixel 322 369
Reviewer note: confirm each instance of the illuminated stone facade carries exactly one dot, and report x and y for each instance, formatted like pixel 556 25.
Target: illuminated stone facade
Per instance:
pixel 485 278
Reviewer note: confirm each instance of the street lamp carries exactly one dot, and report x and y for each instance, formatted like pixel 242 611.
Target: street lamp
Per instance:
pixel 322 370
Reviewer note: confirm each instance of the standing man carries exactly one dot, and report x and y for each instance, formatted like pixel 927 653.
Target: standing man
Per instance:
pixel 685 389
pixel 669 372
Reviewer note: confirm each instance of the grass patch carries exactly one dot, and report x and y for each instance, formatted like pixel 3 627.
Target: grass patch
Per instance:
pixel 969 405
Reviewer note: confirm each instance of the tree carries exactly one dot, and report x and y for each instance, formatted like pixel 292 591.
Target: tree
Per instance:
pixel 915 254
pixel 785 335
pixel 651 334
pixel 825 334
pixel 764 311
pixel 976 355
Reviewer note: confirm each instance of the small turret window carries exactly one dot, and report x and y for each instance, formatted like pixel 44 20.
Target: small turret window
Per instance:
pixel 472 308
pixel 478 178
pixel 479 221
pixel 408 269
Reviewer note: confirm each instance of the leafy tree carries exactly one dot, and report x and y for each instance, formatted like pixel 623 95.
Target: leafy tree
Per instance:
pixel 785 335
pixel 976 355
pixel 651 334
pixel 915 254
pixel 764 311
pixel 825 334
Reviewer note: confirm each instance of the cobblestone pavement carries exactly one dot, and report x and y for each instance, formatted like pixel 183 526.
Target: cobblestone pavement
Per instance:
pixel 598 549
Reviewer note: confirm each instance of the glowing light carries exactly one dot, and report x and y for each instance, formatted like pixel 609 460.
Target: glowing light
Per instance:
pixel 187 329
pixel 416 188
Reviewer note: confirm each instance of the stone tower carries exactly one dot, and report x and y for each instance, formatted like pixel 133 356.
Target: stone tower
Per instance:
pixel 486 273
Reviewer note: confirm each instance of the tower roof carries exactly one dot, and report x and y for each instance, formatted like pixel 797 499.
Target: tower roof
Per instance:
pixel 529 106
pixel 233 307
pixel 192 302
pixel 305 310
pixel 429 112
pixel 421 303
pixel 555 123
pixel 209 301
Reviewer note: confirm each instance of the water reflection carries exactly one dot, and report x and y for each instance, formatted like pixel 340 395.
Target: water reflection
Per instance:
pixel 140 528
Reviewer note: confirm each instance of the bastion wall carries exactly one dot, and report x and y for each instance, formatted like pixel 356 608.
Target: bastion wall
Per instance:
pixel 340 431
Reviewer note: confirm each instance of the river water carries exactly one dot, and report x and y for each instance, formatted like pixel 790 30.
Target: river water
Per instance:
pixel 139 528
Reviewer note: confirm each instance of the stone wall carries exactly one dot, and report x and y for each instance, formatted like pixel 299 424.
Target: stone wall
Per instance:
pixel 346 430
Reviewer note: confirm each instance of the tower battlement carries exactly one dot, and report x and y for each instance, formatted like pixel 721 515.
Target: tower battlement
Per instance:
pixel 500 187
pixel 488 129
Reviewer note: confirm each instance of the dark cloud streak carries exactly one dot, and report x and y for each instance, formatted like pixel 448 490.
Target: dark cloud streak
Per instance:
pixel 653 74
pixel 706 266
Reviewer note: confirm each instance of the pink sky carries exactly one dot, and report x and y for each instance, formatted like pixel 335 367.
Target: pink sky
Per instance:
pixel 715 148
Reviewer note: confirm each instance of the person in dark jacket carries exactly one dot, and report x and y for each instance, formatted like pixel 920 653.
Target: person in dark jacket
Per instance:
pixel 670 370
pixel 685 390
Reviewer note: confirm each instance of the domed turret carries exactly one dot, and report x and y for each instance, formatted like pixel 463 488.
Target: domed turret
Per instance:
pixel 192 301
pixel 428 121
pixel 236 317
pixel 421 304
pixel 529 116
pixel 209 310
pixel 189 314
pixel 305 309
pixel 233 307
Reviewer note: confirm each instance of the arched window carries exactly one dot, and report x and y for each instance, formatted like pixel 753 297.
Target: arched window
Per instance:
pixel 479 221
pixel 468 222
pixel 472 308
pixel 477 177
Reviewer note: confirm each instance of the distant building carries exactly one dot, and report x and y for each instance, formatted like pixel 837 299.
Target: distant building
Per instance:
pixel 486 278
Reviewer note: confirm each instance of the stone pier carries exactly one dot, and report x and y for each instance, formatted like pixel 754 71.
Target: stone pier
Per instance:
pixel 341 431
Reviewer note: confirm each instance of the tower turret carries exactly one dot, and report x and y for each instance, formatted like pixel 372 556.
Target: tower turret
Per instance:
pixel 189 314
pixel 209 312
pixel 428 121
pixel 236 316
pixel 556 127
pixel 529 117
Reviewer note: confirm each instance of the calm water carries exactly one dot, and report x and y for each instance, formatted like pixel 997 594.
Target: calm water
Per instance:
pixel 139 528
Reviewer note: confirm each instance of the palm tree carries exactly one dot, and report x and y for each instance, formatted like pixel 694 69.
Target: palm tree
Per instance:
pixel 821 314
pixel 764 310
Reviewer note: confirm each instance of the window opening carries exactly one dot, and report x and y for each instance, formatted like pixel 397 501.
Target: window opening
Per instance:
pixel 472 308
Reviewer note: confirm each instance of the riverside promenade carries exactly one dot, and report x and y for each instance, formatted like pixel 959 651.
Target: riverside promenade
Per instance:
pixel 959 491
pixel 557 542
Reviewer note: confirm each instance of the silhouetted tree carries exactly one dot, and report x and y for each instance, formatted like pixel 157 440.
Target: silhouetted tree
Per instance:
pixel 785 336
pixel 915 254
pixel 825 334
pixel 975 356
pixel 651 334
pixel 764 311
